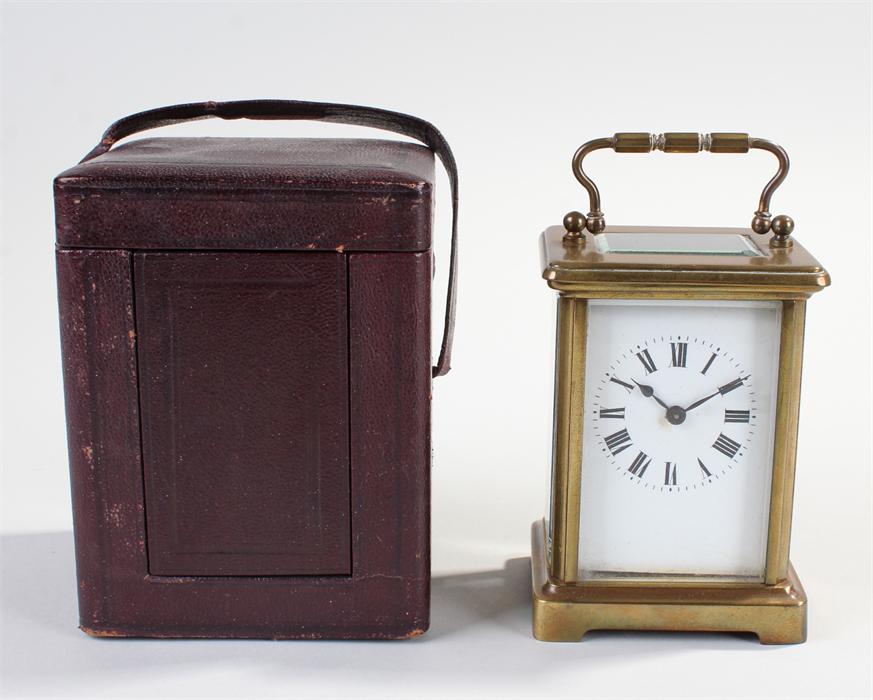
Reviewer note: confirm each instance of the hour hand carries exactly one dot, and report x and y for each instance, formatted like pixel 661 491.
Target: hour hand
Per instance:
pixel 649 392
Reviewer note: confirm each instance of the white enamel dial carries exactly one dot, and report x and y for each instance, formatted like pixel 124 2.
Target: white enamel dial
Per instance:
pixel 684 413
pixel 679 411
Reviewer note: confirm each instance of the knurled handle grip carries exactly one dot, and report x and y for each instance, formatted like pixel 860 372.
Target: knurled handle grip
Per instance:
pixel 681 142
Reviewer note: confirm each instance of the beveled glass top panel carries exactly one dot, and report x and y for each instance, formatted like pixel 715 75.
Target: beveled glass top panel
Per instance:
pixel 677 243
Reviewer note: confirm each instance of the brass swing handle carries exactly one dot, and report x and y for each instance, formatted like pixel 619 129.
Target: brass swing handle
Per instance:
pixel 640 142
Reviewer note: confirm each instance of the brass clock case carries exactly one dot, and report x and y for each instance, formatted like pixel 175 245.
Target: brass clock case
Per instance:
pixel 565 608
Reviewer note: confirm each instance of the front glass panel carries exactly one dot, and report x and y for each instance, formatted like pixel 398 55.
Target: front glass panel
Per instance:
pixel 677 456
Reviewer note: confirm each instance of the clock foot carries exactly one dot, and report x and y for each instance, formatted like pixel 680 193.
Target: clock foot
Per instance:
pixel 565 612
pixel 790 629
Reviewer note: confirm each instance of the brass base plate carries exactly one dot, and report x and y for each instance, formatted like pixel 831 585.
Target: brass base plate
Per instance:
pixel 564 612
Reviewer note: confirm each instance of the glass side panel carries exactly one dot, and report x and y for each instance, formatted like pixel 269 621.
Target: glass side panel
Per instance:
pixel 688 243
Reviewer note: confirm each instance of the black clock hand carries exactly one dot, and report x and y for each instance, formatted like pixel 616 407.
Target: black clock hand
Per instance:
pixel 648 392
pixel 701 401
pixel 727 388
pixel 675 414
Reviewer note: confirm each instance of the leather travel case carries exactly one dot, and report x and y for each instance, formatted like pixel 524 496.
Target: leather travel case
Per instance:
pixel 245 327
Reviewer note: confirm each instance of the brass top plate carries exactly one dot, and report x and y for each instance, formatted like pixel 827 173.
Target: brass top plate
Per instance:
pixel 571 267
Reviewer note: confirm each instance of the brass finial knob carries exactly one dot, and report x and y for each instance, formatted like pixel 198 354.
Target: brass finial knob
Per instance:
pixel 574 223
pixel 782 226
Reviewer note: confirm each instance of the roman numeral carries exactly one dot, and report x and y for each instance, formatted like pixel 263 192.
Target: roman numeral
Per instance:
pixel 670 474
pixel 726 446
pixel 646 359
pixel 680 354
pixel 618 441
pixel 730 386
pixel 615 380
pixel 640 464
pixel 737 416
pixel 612 413
pixel 708 364
pixel 703 467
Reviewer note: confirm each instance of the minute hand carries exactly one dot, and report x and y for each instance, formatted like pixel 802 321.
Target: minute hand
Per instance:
pixel 730 386
pixel 701 401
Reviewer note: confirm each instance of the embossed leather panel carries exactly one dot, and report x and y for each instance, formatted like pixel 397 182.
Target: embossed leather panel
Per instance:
pixel 243 361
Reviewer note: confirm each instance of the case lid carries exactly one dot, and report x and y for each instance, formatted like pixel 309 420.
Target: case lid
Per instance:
pixel 634 260
pixel 250 193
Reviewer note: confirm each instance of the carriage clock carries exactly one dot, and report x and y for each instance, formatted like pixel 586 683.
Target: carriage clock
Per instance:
pixel 677 393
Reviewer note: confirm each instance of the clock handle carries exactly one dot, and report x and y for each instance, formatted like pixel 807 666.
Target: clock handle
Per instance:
pixel 641 142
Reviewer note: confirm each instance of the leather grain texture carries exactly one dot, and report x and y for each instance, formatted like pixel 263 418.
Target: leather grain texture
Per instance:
pixel 98 340
pixel 244 394
pixel 250 194
pixel 389 328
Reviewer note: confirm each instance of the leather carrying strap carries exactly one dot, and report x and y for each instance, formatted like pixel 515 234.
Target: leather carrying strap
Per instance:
pixel 395 122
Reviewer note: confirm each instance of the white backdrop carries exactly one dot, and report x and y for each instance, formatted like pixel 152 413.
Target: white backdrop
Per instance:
pixel 515 88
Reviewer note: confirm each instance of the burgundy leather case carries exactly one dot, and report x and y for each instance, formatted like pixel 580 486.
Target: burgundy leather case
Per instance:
pixel 245 327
